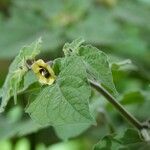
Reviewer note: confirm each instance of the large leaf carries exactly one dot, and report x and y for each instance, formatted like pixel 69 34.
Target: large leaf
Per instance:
pixel 65 102
pixel 14 80
pixel 72 130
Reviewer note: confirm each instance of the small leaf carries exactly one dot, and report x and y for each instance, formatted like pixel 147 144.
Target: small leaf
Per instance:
pixel 97 66
pixel 131 140
pixel 107 143
pixel 131 136
pixel 14 80
pixel 71 48
pixel 66 101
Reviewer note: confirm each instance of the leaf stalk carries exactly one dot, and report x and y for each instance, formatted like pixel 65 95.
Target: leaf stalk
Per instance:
pixel 128 116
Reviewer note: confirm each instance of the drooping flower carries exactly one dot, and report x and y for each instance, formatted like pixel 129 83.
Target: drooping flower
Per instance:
pixel 44 72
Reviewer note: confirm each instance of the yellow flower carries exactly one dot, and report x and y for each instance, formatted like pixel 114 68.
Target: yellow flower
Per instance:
pixel 44 72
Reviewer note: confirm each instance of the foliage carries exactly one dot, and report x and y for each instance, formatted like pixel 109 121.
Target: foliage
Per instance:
pixel 130 140
pixel 115 54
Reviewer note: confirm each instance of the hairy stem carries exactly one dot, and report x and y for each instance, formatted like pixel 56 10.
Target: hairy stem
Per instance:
pixel 117 105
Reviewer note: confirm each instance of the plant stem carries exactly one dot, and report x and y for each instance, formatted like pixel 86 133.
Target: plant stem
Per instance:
pixel 117 105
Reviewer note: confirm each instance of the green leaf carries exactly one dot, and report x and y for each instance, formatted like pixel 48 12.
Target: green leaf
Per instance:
pixel 131 136
pixel 131 140
pixel 71 130
pixel 107 143
pixel 65 102
pixel 96 62
pixel 72 48
pixel 97 66
pixel 14 81
pixel 65 132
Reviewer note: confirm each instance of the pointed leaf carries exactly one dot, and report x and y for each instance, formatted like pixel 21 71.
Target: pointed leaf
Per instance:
pixel 65 102
pixel 98 66
pixel 14 80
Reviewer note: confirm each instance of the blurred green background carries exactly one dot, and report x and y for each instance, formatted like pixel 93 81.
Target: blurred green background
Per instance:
pixel 121 28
